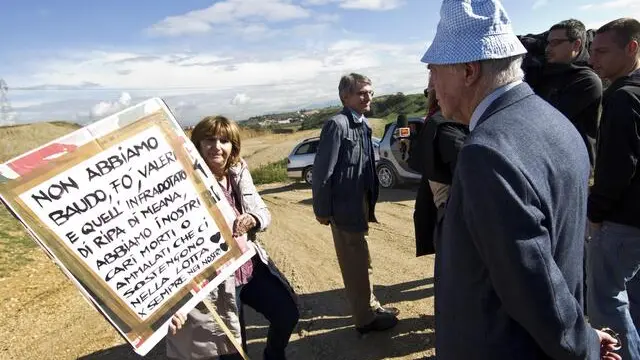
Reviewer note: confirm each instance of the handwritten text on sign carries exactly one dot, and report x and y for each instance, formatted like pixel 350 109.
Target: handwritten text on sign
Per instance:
pixel 133 216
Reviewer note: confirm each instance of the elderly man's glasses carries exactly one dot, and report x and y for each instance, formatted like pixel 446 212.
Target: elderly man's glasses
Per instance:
pixel 363 93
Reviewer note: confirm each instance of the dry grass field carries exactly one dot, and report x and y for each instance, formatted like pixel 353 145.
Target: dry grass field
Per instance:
pixel 17 139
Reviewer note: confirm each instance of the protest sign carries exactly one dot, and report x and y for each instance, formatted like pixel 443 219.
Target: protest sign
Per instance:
pixel 131 214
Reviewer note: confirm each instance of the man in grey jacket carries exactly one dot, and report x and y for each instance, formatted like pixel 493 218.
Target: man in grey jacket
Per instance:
pixel 508 275
pixel 345 191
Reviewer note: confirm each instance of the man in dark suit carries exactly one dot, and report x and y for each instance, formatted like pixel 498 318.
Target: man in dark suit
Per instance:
pixel 508 277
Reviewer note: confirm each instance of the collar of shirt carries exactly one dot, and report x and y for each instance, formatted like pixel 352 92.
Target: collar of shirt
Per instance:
pixel 635 72
pixel 358 118
pixel 484 104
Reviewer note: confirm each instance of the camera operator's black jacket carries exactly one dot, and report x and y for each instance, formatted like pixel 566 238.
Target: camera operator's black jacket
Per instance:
pixel 576 91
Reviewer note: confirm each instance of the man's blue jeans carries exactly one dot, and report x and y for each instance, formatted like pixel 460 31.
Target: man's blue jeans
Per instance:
pixel 613 284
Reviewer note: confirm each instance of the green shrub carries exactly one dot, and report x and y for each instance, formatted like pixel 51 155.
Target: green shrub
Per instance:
pixel 270 173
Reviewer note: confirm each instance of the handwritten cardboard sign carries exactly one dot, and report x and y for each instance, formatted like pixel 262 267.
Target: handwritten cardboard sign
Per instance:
pixel 127 210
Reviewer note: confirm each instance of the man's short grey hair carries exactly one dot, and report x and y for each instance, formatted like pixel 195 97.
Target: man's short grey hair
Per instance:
pixel 499 72
pixel 349 83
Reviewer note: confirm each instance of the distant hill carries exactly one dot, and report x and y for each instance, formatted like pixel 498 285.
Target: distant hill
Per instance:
pixel 390 106
pixel 386 107
pixel 18 139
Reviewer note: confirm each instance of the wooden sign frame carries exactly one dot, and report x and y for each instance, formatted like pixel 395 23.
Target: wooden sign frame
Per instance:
pixel 141 333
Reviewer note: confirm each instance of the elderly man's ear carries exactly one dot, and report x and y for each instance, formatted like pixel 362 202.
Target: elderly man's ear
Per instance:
pixel 472 72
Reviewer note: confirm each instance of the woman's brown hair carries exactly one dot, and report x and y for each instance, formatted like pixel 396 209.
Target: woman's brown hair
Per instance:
pixel 219 127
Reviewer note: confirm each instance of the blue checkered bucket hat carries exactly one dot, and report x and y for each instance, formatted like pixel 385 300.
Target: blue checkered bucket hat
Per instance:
pixel 472 30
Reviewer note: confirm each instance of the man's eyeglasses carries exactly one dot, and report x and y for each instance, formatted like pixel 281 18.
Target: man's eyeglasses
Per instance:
pixel 364 92
pixel 556 42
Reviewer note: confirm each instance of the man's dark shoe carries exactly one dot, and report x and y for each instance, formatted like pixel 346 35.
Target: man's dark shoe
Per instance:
pixel 381 322
pixel 388 310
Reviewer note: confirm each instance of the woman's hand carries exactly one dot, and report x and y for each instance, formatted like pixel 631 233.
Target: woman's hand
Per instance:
pixel 243 224
pixel 177 320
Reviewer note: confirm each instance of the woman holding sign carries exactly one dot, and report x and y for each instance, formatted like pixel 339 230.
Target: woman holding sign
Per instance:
pixel 257 283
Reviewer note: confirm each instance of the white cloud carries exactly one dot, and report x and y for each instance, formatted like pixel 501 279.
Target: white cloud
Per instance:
pixel 610 5
pixel 539 3
pixel 376 5
pixel 255 32
pixel 228 12
pixel 330 18
pixel 630 8
pixel 319 2
pixel 240 99
pixel 371 4
pixel 180 25
pixel 104 108
pixel 199 84
pixel 309 30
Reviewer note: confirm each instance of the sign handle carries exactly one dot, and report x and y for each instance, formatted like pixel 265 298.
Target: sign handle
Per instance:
pixel 218 319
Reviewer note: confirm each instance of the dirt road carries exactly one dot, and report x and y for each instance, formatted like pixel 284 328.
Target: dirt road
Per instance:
pixel 44 317
pixel 303 249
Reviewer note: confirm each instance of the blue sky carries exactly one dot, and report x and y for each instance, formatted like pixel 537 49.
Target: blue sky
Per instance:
pixel 82 60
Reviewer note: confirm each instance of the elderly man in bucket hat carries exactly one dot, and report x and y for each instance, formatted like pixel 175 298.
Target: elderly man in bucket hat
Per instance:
pixel 510 246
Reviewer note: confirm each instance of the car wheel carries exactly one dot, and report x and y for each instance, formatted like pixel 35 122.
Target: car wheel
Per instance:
pixel 307 175
pixel 386 176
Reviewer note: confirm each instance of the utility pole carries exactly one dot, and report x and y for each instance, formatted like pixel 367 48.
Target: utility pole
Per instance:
pixel 5 105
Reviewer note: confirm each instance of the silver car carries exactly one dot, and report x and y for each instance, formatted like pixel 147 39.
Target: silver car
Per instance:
pixel 300 161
